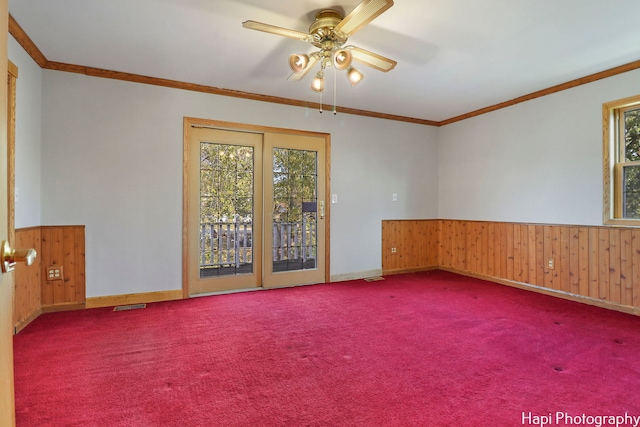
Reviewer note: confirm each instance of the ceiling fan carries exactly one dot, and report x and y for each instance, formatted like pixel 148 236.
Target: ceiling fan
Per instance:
pixel 329 32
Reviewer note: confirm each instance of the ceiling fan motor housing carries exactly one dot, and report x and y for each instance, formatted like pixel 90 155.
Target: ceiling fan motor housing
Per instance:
pixel 322 29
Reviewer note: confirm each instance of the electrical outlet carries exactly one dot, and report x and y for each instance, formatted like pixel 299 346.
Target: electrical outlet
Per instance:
pixel 551 264
pixel 394 250
pixel 54 272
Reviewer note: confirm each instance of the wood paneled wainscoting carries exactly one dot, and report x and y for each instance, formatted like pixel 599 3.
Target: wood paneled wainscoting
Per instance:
pixel 60 247
pixel 594 265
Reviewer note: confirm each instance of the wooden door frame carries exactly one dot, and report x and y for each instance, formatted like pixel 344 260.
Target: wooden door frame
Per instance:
pixel 190 122
pixel 12 77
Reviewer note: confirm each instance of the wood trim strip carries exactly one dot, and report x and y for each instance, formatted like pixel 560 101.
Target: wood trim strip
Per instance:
pixel 13 70
pixel 548 91
pixel 136 78
pixel 23 323
pixel 11 149
pixel 63 307
pixel 23 39
pixel 145 297
pixel 27 44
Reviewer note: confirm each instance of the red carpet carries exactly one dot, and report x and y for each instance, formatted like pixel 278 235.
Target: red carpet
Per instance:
pixel 427 349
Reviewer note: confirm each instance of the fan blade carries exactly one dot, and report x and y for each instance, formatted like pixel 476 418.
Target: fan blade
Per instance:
pixel 372 59
pixel 305 70
pixel 364 13
pixel 259 26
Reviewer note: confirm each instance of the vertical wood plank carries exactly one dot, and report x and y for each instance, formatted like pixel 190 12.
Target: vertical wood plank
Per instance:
pixel 388 231
pixel 452 243
pixel 532 250
pixel 548 254
pixel 594 263
pixel 502 248
pixel 517 257
pixel 484 253
pixel 574 260
pixel 635 245
pixel 472 247
pixel 69 263
pixel 603 267
pixel 524 253
pixel 583 260
pixel 420 242
pixel 626 267
pixel 491 249
pixel 80 275
pixel 47 296
pixel 614 265
pixel 510 251
pixel 555 254
pixel 564 270
pixel 440 240
pixel 461 252
pixel 540 256
pixel 411 245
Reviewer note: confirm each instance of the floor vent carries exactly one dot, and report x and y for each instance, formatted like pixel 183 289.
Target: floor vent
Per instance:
pixel 373 279
pixel 129 307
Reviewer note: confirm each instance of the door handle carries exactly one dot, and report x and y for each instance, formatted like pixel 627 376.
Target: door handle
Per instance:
pixel 12 256
pixel 322 209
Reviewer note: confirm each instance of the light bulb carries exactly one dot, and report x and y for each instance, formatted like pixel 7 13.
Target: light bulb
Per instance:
pixel 354 76
pixel 317 84
pixel 342 59
pixel 298 62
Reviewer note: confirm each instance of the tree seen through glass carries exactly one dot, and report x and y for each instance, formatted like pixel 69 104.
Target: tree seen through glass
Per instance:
pixel 631 173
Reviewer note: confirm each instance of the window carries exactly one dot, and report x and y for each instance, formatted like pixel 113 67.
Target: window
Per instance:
pixel 621 134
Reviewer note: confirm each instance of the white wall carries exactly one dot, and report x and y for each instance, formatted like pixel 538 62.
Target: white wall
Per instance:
pixel 28 137
pixel 112 155
pixel 538 161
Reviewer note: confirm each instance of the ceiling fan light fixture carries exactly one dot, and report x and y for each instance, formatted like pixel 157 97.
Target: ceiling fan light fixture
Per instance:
pixel 342 59
pixel 298 62
pixel 317 84
pixel 354 76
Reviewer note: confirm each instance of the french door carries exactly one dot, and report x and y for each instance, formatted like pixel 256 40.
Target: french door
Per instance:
pixel 255 209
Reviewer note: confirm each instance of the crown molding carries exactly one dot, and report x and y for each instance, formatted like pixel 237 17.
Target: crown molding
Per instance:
pixel 137 78
pixel 548 91
pixel 27 44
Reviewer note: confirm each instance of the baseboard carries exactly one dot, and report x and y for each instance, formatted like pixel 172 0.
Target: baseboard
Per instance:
pixel 551 292
pixel 21 324
pixel 62 307
pixel 356 275
pixel 409 270
pixel 126 299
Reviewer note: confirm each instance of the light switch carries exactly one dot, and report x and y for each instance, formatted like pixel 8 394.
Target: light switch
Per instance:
pixel 394 197
pixel 334 198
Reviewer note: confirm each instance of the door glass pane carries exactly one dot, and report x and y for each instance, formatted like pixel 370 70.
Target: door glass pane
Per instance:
pixel 226 209
pixel 295 208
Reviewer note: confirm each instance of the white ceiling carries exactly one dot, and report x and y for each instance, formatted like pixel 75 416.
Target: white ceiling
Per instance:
pixel 454 56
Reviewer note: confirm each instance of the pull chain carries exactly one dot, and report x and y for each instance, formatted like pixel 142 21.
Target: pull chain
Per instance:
pixel 335 78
